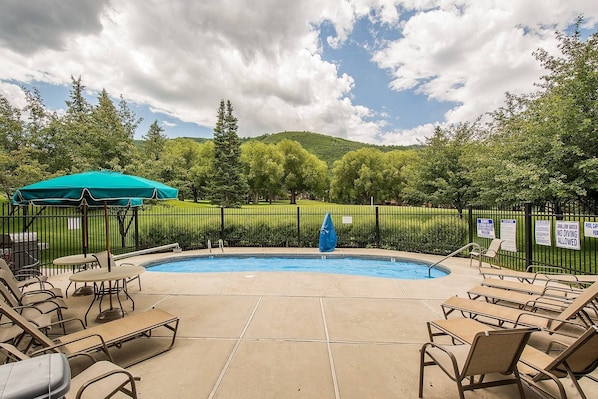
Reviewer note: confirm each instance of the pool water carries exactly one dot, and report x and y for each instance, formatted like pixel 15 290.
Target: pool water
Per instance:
pixel 370 267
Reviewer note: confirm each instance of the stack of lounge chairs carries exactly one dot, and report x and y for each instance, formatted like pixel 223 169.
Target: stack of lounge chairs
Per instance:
pixel 30 311
pixel 558 313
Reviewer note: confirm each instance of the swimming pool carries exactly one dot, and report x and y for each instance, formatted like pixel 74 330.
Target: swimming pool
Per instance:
pixel 387 267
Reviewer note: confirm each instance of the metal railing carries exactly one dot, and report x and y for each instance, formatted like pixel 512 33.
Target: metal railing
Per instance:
pixel 49 233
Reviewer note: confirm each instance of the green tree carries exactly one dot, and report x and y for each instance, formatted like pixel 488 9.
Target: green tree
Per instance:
pixel 187 165
pixel 154 141
pixel 303 173
pixel 264 170
pixel 112 141
pixel 545 143
pixel 395 173
pixel 440 176
pixel 229 187
pixel 359 176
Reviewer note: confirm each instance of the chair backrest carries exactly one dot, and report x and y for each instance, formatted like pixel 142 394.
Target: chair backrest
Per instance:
pixel 8 297
pixel 8 280
pixel 583 299
pixel 496 351
pixel 104 259
pixel 494 247
pixel 4 266
pixel 27 326
pixel 581 357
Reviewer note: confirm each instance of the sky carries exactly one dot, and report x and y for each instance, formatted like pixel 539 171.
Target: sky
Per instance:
pixel 374 71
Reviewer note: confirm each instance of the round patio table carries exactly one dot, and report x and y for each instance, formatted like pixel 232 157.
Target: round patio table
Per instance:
pixel 78 262
pixel 116 283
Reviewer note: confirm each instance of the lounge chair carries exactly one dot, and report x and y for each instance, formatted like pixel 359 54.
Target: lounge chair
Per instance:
pixel 102 336
pixel 535 289
pixel 552 303
pixel 578 359
pixel 102 379
pixel 488 254
pixel 31 297
pixel 548 274
pixel 103 258
pixel 9 280
pixel 490 352
pixel 504 314
pixel 27 276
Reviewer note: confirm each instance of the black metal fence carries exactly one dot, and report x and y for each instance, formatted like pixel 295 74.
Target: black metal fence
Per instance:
pixel 48 233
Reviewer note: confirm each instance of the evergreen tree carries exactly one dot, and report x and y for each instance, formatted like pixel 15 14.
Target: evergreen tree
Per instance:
pixel 154 141
pixel 229 186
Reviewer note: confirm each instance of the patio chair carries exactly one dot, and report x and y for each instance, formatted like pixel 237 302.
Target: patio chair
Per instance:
pixel 104 257
pixel 488 254
pixel 576 361
pixel 578 358
pixel 102 379
pixel 535 289
pixel 102 336
pixel 27 276
pixel 490 352
pixel 547 302
pixel 548 274
pixel 30 297
pixel 504 314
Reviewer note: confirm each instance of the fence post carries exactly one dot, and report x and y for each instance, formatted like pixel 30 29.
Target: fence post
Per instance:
pixel 377 227
pixel 298 229
pixel 528 235
pixel 222 223
pixel 470 221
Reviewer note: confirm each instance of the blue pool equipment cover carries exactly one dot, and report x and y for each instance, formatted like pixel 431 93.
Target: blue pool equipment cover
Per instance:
pixel 328 237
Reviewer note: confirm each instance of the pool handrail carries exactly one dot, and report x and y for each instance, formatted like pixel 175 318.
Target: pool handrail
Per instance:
pixel 471 244
pixel 175 247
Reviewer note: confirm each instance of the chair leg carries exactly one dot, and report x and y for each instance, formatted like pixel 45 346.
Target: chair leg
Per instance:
pixel 421 373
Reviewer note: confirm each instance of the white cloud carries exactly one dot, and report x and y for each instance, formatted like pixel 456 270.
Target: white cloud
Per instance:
pixel 471 52
pixel 181 58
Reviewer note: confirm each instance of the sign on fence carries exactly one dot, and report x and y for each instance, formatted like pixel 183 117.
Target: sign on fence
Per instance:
pixel 542 232
pixel 567 235
pixel 508 233
pixel 73 223
pixel 486 228
pixel 590 229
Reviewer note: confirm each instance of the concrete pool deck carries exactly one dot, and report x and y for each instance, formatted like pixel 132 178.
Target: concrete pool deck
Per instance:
pixel 294 335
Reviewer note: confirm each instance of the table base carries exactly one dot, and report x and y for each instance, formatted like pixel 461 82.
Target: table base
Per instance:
pixel 83 291
pixel 110 314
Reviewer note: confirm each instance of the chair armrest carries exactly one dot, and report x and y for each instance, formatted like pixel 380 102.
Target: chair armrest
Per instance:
pixel 12 353
pixel 57 345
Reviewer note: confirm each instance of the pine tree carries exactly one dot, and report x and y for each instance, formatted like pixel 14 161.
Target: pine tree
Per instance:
pixel 154 141
pixel 229 187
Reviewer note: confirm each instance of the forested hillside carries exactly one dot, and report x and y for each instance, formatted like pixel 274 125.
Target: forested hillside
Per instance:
pixel 326 148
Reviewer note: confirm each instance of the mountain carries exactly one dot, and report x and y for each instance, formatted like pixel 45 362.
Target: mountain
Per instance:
pixel 326 148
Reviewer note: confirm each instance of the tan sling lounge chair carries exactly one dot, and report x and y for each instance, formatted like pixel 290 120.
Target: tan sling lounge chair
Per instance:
pixel 552 303
pixel 490 352
pixel 488 254
pixel 29 296
pixel 576 360
pixel 102 379
pixel 532 277
pixel 26 277
pixel 504 314
pixel 102 336
pixel 536 289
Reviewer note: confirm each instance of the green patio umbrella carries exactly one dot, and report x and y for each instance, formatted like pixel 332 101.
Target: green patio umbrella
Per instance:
pixel 93 189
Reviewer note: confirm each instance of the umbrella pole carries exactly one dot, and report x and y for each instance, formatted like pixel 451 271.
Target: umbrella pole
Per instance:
pixel 112 313
pixel 108 250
